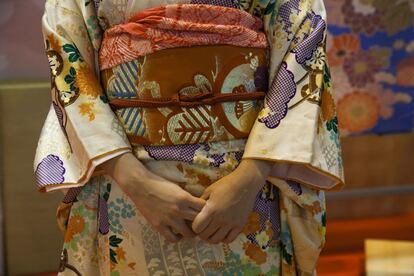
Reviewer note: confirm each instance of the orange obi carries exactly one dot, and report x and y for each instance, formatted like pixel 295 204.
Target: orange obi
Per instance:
pixel 189 95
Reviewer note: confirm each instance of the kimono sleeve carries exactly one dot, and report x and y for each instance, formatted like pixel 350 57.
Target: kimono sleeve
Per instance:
pixel 297 129
pixel 80 131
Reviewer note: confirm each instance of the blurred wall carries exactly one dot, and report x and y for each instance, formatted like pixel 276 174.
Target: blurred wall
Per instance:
pixel 32 239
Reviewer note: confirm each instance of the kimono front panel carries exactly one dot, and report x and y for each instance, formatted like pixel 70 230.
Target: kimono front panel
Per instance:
pixel 296 128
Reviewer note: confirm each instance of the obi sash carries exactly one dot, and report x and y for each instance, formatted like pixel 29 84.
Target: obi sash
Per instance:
pixel 186 74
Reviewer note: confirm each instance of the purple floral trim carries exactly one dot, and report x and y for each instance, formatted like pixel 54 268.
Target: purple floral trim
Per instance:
pixel 305 49
pixel 267 205
pixel 285 12
pixel 59 114
pixel 177 152
pixel 186 153
pixel 218 159
pixel 238 155
pixel 71 195
pixel 103 216
pixel 283 89
pixel 50 171
pixel 295 186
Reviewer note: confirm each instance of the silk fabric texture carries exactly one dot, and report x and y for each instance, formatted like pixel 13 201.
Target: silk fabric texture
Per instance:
pixel 296 130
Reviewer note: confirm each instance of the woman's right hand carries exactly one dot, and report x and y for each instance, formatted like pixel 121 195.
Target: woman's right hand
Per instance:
pixel 164 204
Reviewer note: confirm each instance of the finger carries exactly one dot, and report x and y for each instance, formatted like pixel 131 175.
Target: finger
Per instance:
pixel 189 214
pixel 232 235
pixel 219 235
pixel 206 194
pixel 168 234
pixel 196 203
pixel 182 228
pixel 201 221
pixel 209 231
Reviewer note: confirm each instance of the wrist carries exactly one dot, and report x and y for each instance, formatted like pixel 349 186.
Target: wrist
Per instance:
pixel 254 173
pixel 258 169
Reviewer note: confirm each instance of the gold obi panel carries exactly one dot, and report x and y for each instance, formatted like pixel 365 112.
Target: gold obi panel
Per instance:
pixel 189 95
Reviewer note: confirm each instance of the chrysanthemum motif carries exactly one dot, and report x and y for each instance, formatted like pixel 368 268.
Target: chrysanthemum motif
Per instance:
pixel 76 225
pixel 327 106
pixel 358 111
pixel 317 62
pixel 361 68
pixel 87 82
pixel 343 46
pixel 362 17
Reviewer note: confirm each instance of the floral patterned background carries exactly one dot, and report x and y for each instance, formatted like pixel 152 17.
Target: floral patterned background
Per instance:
pixel 371 54
pixel 370 50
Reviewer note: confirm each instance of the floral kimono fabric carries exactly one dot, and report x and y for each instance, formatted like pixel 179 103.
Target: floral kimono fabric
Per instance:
pixel 294 127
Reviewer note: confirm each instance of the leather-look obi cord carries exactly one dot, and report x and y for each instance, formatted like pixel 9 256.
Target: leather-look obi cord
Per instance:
pixel 188 101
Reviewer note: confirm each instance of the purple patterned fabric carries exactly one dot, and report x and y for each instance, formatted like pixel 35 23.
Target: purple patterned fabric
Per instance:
pixel 103 216
pixel 223 3
pixel 178 152
pixel 218 159
pixel 239 155
pixel 305 49
pixel 295 186
pixel 283 89
pixel 267 205
pixel 71 195
pixel 59 114
pixel 285 11
pixel 50 171
pixel 261 78
pixel 186 153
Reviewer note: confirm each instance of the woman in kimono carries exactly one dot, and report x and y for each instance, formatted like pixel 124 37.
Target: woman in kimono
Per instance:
pixel 190 137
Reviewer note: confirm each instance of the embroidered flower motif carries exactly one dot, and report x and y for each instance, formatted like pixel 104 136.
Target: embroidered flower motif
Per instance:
pixel 312 90
pixel 253 224
pixel 255 253
pixel 343 46
pixel 358 111
pixel 86 109
pixel 54 43
pixel 317 62
pixel 262 239
pixel 87 83
pixel 76 225
pixel 361 68
pixel 327 106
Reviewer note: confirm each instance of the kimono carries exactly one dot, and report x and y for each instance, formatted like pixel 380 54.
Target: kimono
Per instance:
pixel 111 61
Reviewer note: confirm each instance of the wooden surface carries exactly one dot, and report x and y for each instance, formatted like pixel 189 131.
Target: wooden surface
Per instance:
pixel 379 171
pixel 372 161
pixel 389 258
pixel 347 236
pixel 344 253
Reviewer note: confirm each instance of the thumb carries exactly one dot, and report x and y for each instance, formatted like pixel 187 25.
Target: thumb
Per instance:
pixel 206 194
pixel 201 221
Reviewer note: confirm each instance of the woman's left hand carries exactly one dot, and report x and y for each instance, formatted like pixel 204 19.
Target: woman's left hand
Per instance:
pixel 230 200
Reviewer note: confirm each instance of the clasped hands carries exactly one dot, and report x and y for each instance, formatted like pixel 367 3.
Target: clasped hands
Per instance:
pixel 219 215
